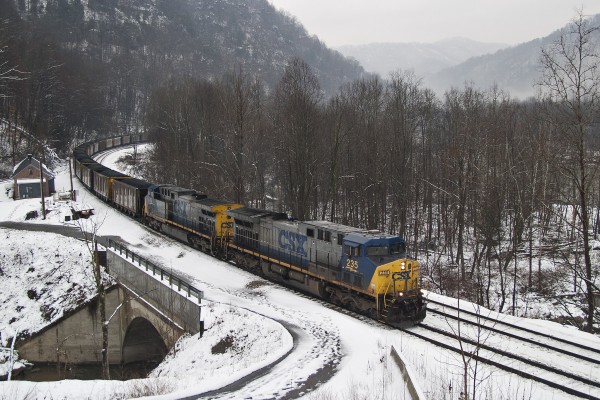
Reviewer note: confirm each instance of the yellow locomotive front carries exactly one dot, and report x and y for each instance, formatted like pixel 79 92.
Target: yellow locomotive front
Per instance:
pixel 396 287
pixel 394 278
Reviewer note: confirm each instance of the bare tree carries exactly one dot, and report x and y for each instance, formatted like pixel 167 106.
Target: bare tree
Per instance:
pixel 89 228
pixel 403 114
pixel 240 110
pixel 571 68
pixel 471 338
pixel 297 115
pixel 8 72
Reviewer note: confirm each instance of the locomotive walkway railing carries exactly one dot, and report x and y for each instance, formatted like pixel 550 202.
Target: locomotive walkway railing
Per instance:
pixel 157 271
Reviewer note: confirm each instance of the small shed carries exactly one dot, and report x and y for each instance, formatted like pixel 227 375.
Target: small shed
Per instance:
pixel 26 179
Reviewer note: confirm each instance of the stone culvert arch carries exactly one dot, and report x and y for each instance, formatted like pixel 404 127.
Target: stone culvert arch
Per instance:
pixel 142 342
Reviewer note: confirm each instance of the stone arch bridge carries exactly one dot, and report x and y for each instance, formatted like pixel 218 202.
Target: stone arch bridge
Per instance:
pixel 151 307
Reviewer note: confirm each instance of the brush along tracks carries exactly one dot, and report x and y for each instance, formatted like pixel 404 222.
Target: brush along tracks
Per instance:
pixel 571 367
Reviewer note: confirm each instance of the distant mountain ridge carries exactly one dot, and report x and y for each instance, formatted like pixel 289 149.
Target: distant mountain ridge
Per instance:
pixel 513 69
pixel 424 58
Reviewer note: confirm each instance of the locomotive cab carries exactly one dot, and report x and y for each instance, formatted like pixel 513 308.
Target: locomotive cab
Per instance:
pixel 394 277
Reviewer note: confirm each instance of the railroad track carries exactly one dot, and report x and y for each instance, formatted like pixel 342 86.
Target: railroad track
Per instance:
pixel 558 344
pixel 510 360
pixel 537 371
pixel 101 156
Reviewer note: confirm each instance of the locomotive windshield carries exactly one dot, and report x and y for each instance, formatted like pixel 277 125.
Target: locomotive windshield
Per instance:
pixel 378 251
pixel 383 254
pixel 397 248
pixel 392 249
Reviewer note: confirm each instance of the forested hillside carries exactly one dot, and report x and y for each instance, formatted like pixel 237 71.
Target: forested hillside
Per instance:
pixel 72 69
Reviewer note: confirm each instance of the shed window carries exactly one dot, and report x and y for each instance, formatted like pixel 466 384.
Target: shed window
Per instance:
pixel 327 236
pixel 320 234
pixel 310 232
pixel 340 238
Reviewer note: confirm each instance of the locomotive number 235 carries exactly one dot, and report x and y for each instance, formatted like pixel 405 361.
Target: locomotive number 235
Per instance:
pixel 352 265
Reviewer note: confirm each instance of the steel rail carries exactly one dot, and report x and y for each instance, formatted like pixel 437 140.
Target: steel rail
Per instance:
pixel 503 367
pixel 514 336
pixel 541 334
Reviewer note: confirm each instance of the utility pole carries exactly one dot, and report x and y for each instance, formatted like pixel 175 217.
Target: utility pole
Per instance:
pixel 71 178
pixel 42 185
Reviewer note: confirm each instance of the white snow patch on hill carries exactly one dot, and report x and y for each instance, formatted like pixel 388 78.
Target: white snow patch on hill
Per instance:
pixel 43 276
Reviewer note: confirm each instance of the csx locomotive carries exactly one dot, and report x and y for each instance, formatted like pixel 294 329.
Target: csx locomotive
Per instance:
pixel 362 270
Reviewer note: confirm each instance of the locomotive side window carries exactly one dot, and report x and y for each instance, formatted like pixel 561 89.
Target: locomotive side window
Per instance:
pixel 208 213
pixel 352 251
pixel 310 232
pixel 244 223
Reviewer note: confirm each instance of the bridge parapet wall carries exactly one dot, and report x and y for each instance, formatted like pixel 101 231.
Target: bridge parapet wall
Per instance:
pixel 167 293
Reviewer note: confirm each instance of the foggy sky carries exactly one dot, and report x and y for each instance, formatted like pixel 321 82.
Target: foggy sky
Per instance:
pixel 342 22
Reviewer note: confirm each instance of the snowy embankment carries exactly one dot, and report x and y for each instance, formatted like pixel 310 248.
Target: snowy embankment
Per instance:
pixel 46 275
pixel 195 365
pixel 43 276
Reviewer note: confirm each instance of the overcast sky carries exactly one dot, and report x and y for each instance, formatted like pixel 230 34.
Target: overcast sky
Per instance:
pixel 341 22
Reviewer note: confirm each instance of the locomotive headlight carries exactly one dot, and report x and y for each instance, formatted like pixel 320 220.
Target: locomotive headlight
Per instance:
pixel 403 265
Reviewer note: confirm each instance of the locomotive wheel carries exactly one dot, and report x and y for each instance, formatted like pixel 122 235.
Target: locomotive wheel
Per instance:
pixel 336 300
pixel 352 305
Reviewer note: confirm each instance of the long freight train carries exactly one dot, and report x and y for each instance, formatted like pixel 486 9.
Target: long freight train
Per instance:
pixel 365 271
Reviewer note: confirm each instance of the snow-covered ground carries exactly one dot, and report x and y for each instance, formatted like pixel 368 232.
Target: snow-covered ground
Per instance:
pixel 332 355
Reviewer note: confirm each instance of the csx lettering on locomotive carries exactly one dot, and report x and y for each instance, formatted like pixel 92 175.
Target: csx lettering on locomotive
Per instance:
pixel 401 275
pixel 293 242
